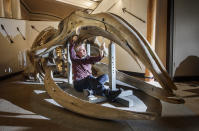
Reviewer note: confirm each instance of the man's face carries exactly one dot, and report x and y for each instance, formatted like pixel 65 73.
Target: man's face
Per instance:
pixel 81 51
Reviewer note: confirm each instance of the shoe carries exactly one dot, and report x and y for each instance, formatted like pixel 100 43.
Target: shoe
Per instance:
pixel 112 95
pixel 87 92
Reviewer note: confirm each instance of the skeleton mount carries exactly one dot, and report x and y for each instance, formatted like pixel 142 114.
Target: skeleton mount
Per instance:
pixel 49 56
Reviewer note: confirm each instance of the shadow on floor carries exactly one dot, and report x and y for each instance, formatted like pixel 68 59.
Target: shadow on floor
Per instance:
pixel 23 95
pixel 174 123
pixel 153 104
pixel 31 124
pixel 57 118
pixel 188 67
pixel 195 91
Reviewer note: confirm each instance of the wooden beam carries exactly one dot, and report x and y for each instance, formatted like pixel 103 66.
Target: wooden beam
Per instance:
pixel 7 8
pixel 2 13
pixel 151 28
pixel 16 9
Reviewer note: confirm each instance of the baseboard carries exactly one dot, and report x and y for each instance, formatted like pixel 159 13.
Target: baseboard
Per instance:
pixel 10 75
pixel 136 74
pixel 186 78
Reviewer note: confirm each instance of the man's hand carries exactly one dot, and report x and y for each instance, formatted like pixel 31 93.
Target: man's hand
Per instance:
pixel 74 39
pixel 102 48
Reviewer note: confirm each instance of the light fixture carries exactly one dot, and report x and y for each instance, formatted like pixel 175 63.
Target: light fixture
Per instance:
pixel 88 4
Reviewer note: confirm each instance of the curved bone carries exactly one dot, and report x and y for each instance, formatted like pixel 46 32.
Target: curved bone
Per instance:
pixel 115 29
pixel 44 36
pixel 120 32
pixel 145 87
pixel 89 109
pixel 149 89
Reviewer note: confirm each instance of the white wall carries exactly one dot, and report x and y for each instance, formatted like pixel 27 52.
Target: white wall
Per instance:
pixel 13 55
pixel 186 38
pixel 137 7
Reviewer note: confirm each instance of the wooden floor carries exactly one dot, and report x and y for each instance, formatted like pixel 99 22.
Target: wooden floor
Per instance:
pixel 27 106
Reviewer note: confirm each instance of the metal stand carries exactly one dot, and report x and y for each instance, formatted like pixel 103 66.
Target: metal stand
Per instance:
pixel 123 97
pixel 63 52
pixel 88 50
pixel 112 69
pixel 69 65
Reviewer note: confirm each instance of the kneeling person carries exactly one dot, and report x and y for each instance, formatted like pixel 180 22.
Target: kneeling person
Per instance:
pixel 82 73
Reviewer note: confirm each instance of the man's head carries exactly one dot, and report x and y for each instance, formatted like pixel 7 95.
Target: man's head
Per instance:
pixel 81 51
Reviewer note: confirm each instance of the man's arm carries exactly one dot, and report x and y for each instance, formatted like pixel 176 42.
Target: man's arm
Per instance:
pixel 73 55
pixel 94 59
pixel 86 60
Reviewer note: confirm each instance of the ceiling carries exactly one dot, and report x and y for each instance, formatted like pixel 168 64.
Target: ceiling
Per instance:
pixel 57 9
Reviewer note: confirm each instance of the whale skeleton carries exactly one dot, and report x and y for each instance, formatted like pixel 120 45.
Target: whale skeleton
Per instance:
pixel 117 30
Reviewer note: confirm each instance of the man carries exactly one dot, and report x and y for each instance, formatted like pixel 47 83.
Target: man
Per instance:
pixel 82 73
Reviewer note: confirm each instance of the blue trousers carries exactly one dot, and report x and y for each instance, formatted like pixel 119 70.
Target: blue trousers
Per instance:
pixel 96 85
